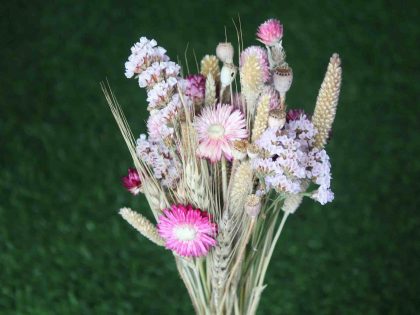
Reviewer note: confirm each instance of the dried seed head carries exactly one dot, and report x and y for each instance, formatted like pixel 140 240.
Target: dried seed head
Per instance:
pixel 142 224
pixel 210 64
pixel 261 118
pixel 241 185
pixel 254 68
pixel 282 79
pixel 224 52
pixel 326 103
pixel 210 94
pixel 291 203
pixel 253 205
pixel 228 74
pixel 277 118
pixel 253 151
pixel 239 149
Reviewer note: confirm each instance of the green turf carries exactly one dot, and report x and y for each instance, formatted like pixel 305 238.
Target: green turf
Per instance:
pixel 63 248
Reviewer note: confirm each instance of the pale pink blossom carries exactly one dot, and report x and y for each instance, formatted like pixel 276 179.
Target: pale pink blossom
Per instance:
pixel 217 128
pixel 143 54
pixel 187 231
pixel 270 32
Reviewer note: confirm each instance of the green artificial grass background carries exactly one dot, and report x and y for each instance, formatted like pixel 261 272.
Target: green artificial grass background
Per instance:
pixel 63 247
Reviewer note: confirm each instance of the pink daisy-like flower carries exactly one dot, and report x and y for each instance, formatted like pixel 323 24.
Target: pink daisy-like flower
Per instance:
pixel 270 32
pixel 195 87
pixel 217 128
pixel 132 181
pixel 187 231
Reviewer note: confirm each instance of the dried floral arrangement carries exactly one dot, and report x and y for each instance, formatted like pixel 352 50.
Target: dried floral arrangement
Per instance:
pixel 225 162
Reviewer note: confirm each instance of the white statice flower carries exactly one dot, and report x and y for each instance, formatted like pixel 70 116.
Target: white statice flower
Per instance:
pixel 157 127
pixel 161 93
pixel 143 54
pixel 323 195
pixel 158 72
pixel 160 159
pixel 289 160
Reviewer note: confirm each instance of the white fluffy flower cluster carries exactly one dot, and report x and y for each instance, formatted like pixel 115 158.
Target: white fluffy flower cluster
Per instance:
pixel 289 161
pixel 143 54
pixel 164 165
pixel 160 76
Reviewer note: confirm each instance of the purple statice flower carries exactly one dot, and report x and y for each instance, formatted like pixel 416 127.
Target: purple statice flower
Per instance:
pixel 290 160
pixel 160 159
pixel 132 181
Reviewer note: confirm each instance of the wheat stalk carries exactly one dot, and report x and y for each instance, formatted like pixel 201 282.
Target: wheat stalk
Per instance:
pixel 142 224
pixel 210 93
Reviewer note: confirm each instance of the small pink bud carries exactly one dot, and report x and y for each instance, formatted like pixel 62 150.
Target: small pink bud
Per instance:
pixel 132 181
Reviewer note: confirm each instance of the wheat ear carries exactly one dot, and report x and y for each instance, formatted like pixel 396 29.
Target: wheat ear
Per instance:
pixel 210 96
pixel 241 186
pixel 143 225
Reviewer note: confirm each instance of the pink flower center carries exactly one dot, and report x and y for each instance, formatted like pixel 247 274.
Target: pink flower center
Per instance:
pixel 185 232
pixel 216 131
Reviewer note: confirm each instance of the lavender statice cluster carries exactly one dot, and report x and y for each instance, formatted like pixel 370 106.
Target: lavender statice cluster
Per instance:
pixel 165 167
pixel 289 161
pixel 160 77
pixel 150 65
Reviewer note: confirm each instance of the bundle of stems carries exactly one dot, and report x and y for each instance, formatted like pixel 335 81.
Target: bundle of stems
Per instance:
pixel 225 162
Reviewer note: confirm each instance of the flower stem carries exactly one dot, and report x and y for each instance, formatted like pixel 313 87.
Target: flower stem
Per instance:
pixel 224 178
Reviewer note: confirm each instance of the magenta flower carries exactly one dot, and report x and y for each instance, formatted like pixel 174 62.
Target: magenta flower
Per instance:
pixel 295 114
pixel 132 181
pixel 195 87
pixel 217 128
pixel 187 231
pixel 270 32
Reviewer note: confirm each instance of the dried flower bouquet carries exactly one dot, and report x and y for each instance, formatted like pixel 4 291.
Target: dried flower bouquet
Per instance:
pixel 223 167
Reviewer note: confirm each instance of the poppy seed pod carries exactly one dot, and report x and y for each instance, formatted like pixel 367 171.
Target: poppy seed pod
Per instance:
pixel 227 74
pixel 224 51
pixel 277 118
pixel 282 79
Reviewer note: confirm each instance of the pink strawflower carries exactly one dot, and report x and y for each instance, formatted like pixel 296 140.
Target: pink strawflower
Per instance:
pixel 187 231
pixel 270 32
pixel 132 181
pixel 195 87
pixel 217 128
pixel 295 114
